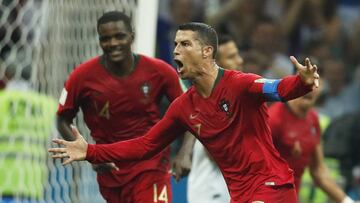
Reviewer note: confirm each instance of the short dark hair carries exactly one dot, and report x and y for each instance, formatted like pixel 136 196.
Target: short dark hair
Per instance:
pixel 113 16
pixel 206 33
pixel 224 38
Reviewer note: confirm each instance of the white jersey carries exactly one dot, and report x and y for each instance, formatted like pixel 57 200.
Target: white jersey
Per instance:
pixel 205 182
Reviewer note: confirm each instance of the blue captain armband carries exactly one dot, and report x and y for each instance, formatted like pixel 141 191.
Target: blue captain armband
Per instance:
pixel 270 89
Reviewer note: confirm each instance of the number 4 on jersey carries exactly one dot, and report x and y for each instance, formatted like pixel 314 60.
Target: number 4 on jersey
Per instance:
pixel 162 197
pixel 105 111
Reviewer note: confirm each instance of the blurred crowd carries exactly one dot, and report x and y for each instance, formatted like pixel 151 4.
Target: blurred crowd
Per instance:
pixel 267 32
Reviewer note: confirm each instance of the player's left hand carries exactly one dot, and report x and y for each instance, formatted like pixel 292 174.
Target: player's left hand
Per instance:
pixel 181 166
pixel 308 73
pixel 72 150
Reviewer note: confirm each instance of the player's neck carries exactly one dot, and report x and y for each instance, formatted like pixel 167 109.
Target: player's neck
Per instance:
pixel 205 83
pixel 121 68
pixel 297 110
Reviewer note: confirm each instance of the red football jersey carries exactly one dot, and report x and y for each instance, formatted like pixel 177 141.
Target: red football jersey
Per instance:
pixel 121 108
pixel 231 123
pixel 287 129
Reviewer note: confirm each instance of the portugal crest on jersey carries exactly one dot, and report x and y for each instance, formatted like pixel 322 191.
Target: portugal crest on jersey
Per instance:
pixel 145 88
pixel 225 107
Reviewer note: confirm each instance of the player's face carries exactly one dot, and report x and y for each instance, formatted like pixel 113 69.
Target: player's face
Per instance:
pixel 229 56
pixel 188 54
pixel 115 40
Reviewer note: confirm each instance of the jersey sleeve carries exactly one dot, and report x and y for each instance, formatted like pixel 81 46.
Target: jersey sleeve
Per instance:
pixel 144 147
pixel 285 89
pixel 70 96
pixel 173 87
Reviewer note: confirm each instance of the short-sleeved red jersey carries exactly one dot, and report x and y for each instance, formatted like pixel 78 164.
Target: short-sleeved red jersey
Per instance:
pixel 231 123
pixel 117 109
pixel 287 129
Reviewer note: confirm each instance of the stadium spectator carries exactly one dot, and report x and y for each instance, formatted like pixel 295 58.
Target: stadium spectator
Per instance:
pixel 27 122
pixel 254 62
pixel 119 93
pixel 205 182
pixel 265 40
pixel 238 19
pixel 179 12
pixel 339 93
pixel 297 136
pixel 225 110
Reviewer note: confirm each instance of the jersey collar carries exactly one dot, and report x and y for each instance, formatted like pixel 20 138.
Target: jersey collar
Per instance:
pixel 219 76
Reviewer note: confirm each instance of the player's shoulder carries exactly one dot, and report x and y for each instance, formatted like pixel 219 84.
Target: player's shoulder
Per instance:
pixel 154 63
pixel 177 105
pixel 158 66
pixel 276 113
pixel 241 76
pixel 239 80
pixel 87 65
pixel 186 96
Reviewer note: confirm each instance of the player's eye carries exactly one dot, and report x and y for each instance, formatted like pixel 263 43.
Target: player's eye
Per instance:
pixel 185 44
pixel 104 38
pixel 120 36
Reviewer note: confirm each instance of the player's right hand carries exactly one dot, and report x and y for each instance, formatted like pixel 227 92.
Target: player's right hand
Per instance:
pixel 308 72
pixel 72 150
pixel 104 168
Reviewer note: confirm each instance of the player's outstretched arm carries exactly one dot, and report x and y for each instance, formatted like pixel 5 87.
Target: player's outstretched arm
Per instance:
pixel 292 87
pixel 287 88
pixel 141 148
pixel 71 150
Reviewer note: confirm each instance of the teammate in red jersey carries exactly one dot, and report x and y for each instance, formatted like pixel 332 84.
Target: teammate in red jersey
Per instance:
pixel 119 93
pixel 296 132
pixel 226 111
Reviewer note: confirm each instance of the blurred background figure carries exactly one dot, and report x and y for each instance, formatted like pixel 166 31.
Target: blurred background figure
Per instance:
pixel 172 14
pixel 26 126
pixel 297 135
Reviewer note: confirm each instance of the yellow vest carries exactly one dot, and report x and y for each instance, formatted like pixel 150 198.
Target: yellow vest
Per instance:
pixel 26 123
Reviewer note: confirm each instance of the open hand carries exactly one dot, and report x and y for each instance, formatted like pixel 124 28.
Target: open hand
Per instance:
pixel 307 73
pixel 72 150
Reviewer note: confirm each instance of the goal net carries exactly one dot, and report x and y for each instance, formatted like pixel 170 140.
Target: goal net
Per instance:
pixel 41 41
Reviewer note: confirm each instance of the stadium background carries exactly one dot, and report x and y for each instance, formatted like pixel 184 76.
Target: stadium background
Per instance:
pixel 43 40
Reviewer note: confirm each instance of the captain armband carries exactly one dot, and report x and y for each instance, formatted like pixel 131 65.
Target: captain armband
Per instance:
pixel 270 89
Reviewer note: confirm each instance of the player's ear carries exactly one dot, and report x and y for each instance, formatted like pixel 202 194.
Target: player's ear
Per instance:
pixel 207 51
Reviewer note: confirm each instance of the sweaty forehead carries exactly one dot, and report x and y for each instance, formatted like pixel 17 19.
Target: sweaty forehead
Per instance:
pixel 189 35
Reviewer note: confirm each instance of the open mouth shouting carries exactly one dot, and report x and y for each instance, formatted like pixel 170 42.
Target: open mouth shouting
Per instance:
pixel 180 65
